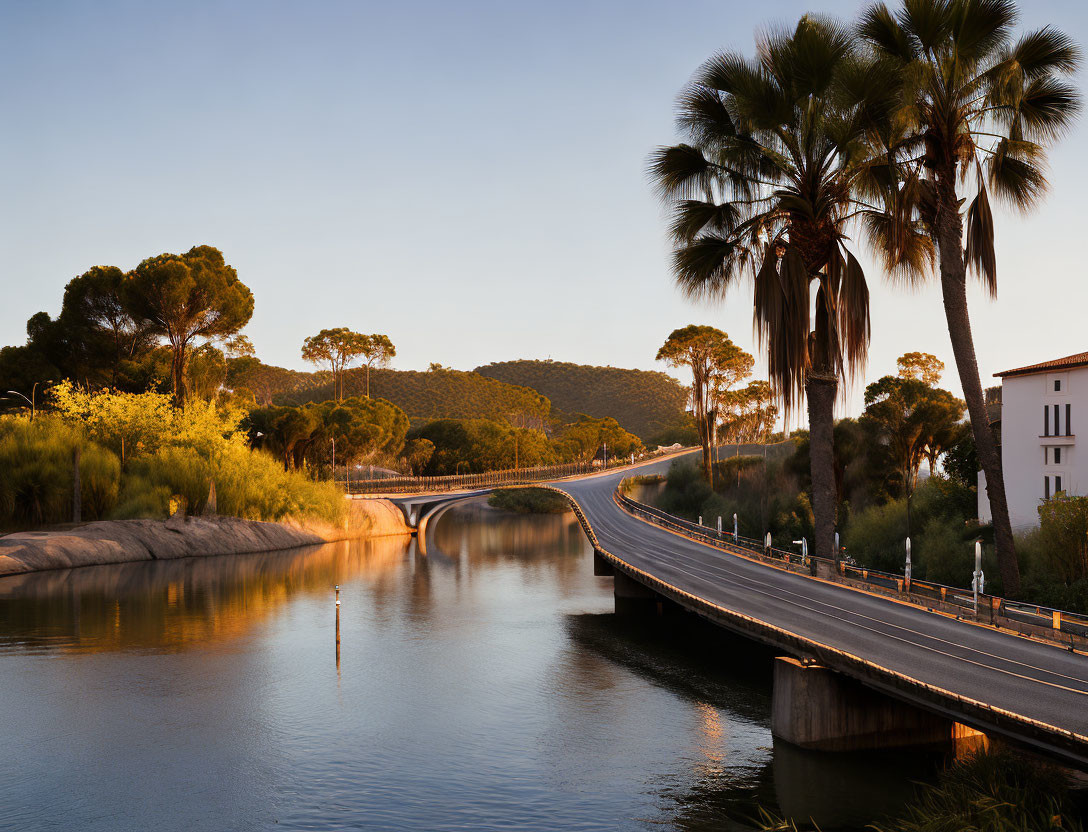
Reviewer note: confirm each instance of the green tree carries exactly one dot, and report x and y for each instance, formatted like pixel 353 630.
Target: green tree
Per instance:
pixel 923 366
pixel 583 439
pixel 716 363
pixel 973 114
pixel 182 297
pixel 765 185
pixel 337 348
pixel 417 453
pixel 239 346
pixel 915 421
pixel 377 351
pixel 206 372
pixel 463 446
pixel 101 333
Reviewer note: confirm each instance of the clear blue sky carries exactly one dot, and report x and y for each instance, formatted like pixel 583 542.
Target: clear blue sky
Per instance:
pixel 466 177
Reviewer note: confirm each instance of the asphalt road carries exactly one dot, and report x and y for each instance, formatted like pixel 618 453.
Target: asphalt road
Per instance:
pixel 1038 681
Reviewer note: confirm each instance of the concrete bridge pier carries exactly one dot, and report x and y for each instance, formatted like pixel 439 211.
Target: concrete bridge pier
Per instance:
pixel 601 567
pixel 632 598
pixel 815 707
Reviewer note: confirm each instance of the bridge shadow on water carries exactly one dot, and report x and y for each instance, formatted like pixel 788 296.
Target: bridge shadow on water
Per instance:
pixel 730 677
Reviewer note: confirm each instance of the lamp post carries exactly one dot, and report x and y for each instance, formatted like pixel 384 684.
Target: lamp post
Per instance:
pixel 33 396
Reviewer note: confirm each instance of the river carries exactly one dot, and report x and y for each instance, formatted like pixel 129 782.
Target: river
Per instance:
pixel 483 684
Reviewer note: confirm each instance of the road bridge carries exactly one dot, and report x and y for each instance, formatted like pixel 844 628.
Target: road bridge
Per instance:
pixel 1025 690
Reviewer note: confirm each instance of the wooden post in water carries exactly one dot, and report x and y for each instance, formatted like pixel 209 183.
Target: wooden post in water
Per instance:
pixel 338 628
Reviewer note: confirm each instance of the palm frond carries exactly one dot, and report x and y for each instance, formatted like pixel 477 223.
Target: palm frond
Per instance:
pixel 979 254
pixel 1014 173
pixel 708 265
pixel 979 27
pixel 1043 52
pixel 928 22
pixel 1043 111
pixel 853 315
pixel 879 28
pixel 691 217
pixel 681 171
pixel 781 319
pixel 703 115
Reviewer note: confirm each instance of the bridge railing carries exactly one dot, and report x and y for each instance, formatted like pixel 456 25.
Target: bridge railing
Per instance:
pixel 468 482
pixel 1024 617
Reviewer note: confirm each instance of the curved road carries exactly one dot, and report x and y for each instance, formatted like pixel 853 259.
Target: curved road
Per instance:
pixel 1027 679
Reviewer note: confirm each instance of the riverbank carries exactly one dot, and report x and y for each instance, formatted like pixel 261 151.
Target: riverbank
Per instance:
pixel 125 541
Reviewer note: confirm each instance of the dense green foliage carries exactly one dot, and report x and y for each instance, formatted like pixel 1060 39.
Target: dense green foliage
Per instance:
pixel 112 327
pixel 942 543
pixel 764 497
pixel 37 485
pixel 356 430
pixel 643 402
pixel 248 484
pixel 467 446
pixel 992 790
pixel 182 297
pixel 470 446
pixel 997 790
pixel 164 465
pixel 529 501
pixel 436 394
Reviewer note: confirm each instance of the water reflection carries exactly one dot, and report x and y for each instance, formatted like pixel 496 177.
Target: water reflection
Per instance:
pixel 483 683
pixel 174 604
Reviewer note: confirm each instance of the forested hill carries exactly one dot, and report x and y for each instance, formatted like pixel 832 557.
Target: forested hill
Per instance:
pixel 436 394
pixel 642 401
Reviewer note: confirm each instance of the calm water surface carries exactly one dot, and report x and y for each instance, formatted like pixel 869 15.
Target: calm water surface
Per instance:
pixel 483 684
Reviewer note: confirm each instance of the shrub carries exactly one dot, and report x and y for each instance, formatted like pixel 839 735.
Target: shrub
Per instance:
pixel 942 543
pixel 248 484
pixel 1063 537
pixel 37 483
pixel 995 789
pixel 529 501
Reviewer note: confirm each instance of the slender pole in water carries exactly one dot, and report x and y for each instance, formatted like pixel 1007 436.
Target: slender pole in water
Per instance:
pixel 338 628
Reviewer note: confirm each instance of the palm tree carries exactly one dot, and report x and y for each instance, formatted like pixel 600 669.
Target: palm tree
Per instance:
pixel 764 188
pixel 973 111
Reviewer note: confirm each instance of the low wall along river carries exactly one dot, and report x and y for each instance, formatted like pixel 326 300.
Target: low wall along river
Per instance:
pixel 125 541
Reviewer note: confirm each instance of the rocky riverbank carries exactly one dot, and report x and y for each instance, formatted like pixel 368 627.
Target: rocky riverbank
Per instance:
pixel 124 541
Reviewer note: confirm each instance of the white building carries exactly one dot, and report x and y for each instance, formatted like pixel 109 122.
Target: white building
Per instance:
pixel 1041 407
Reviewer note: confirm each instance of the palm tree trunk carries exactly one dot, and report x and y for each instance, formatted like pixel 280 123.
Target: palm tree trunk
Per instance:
pixel 820 392
pixel 954 289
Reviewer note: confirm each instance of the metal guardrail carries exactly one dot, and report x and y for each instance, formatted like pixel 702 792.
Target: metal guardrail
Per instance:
pixel 465 482
pixel 991 609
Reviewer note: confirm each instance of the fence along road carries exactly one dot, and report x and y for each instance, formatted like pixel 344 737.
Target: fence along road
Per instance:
pixel 1027 691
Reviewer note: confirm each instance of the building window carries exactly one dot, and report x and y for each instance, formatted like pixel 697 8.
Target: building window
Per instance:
pixel 1046 488
pixel 1046 420
pixel 1057 456
pixel 1057 385
pixel 1068 419
pixel 1057 486
pixel 1057 422
pixel 1046 455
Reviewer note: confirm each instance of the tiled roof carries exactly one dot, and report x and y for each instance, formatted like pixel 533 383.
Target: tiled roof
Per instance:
pixel 1079 359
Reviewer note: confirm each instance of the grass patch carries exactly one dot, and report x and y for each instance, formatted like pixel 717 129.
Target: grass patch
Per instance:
pixel 529 501
pixel 989 791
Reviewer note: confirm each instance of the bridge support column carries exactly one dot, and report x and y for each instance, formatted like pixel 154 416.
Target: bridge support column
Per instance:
pixel 632 598
pixel 601 567
pixel 814 707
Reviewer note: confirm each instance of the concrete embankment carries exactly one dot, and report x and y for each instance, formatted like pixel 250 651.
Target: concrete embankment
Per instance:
pixel 125 541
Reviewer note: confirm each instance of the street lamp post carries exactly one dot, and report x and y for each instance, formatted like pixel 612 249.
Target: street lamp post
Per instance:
pixel 33 396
